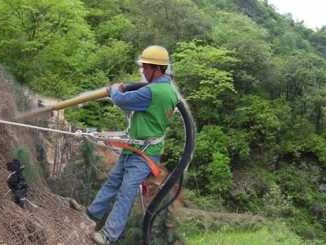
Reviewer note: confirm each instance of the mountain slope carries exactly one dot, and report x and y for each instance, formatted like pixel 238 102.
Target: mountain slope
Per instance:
pixel 53 221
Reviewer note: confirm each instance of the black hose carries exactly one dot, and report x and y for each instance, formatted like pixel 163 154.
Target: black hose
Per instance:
pixel 133 86
pixel 177 173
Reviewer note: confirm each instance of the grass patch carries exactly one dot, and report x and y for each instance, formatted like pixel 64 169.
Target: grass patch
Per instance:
pixel 277 233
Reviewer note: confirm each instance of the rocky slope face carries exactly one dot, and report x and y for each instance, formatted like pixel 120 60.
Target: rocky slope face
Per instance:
pixel 47 218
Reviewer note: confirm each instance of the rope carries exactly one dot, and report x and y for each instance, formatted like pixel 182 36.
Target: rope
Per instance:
pixel 77 133
pixel 118 135
pixel 120 143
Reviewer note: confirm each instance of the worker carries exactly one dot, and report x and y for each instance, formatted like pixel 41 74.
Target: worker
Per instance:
pixel 152 106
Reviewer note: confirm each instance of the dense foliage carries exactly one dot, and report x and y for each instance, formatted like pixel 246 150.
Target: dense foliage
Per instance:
pixel 255 80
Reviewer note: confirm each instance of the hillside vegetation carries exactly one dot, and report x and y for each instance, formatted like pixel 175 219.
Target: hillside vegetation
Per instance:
pixel 255 81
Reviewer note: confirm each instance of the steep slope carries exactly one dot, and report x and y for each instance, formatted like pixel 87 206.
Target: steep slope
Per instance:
pixel 52 220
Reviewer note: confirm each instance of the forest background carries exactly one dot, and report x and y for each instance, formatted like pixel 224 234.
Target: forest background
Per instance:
pixel 255 81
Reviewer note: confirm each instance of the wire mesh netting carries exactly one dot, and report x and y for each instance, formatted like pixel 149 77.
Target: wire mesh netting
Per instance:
pixel 47 219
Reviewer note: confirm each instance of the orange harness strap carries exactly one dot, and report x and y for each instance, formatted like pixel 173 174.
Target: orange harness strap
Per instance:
pixel 151 164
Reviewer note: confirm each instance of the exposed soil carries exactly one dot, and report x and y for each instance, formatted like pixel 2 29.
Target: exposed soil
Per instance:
pixel 53 221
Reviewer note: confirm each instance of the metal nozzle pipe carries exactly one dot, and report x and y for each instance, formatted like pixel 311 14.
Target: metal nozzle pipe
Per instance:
pixel 89 96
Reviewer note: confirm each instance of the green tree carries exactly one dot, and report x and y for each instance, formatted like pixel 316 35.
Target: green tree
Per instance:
pixel 260 120
pixel 211 169
pixel 204 75
pixel 303 73
pixel 249 43
pixel 118 27
pixel 318 39
pixel 289 42
pixel 167 22
pixel 101 11
pixel 113 59
pixel 44 42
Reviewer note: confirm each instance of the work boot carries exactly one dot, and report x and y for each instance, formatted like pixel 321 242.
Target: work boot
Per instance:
pixel 99 223
pixel 100 238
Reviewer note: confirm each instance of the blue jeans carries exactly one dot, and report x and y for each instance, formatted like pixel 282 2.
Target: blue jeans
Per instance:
pixel 122 185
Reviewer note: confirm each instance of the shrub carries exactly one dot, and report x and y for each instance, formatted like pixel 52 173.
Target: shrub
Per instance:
pixel 219 174
pixel 277 204
pixel 31 171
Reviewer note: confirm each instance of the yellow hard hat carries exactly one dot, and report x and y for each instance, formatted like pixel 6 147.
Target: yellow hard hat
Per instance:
pixel 155 55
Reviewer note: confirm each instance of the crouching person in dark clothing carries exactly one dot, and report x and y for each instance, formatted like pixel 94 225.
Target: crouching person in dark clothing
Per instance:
pixel 16 182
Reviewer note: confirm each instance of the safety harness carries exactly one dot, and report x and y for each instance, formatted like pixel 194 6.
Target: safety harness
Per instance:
pixel 122 140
